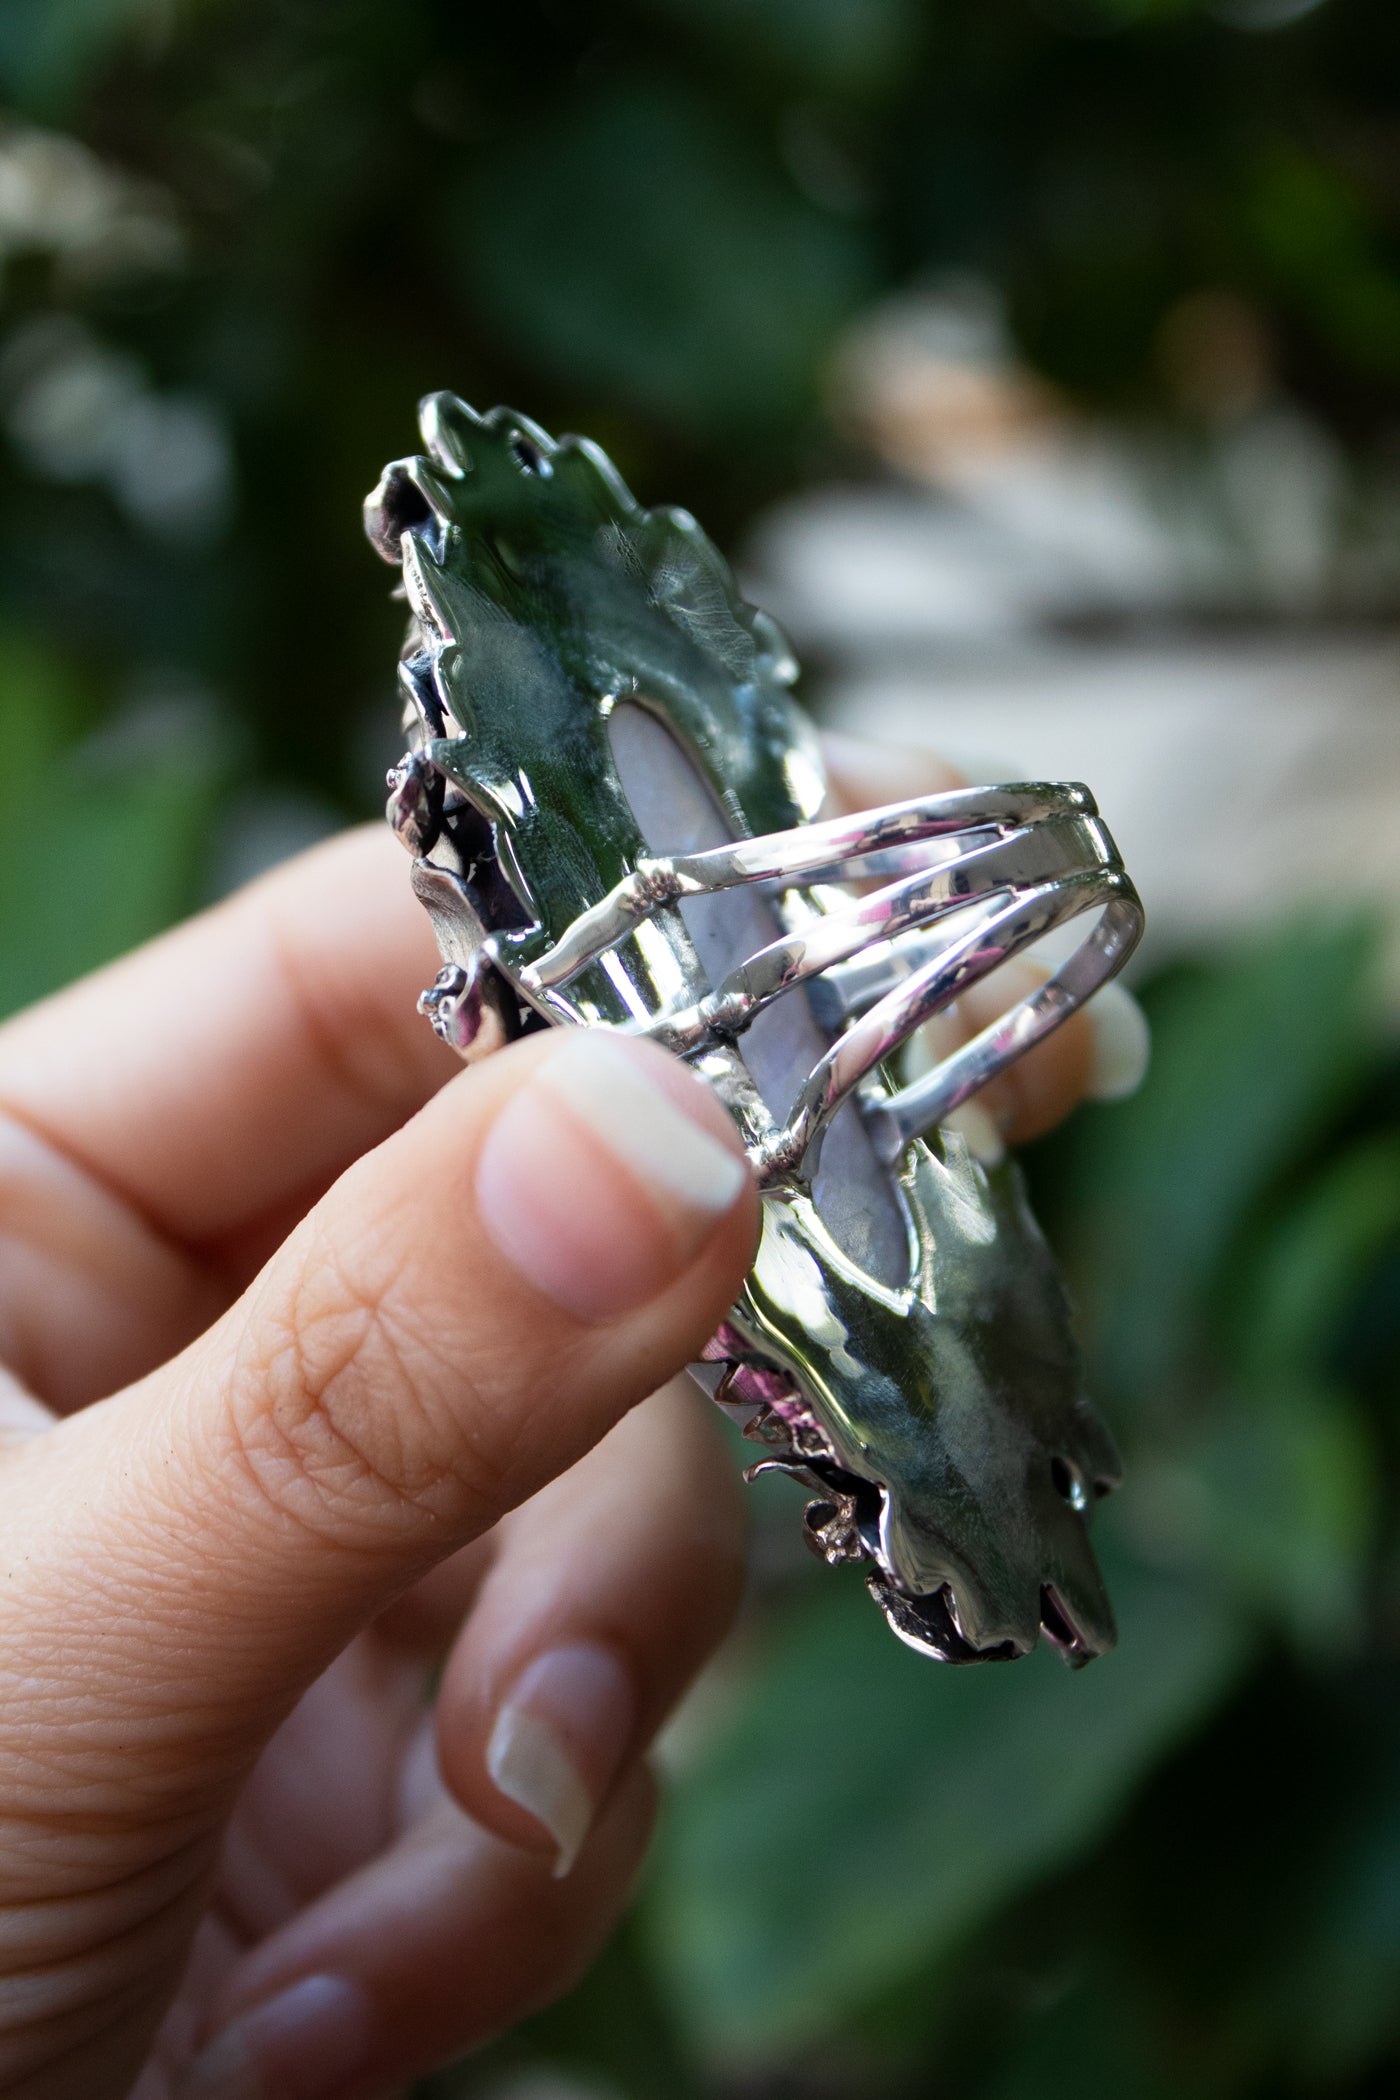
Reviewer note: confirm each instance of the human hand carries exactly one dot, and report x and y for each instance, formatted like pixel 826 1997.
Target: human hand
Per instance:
pixel 373 1417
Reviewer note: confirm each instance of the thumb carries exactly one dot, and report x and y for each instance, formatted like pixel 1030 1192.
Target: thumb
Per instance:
pixel 469 1309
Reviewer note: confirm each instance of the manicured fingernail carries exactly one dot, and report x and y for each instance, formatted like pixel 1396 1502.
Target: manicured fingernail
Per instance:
pixel 305 2044
pixel 602 1178
pixel 1122 1044
pixel 559 1739
pixel 977 1128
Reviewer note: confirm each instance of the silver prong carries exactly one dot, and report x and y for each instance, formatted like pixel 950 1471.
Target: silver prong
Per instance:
pixel 981 874
pixel 995 929
pixel 1053 852
pixel 874 843
pixel 849 988
pixel 441 418
pixel 918 1107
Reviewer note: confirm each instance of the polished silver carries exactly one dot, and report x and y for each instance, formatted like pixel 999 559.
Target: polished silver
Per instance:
pixel 615 815
pixel 1026 860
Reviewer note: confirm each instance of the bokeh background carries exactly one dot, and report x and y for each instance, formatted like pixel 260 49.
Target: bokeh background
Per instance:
pixel 1040 362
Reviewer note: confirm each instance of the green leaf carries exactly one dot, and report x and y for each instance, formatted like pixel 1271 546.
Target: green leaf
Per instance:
pixel 101 841
pixel 868 1812
pixel 1278 1497
pixel 640 243
pixel 1314 1260
pixel 1251 1057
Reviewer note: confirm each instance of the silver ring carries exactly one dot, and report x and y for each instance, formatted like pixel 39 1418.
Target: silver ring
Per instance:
pixel 980 875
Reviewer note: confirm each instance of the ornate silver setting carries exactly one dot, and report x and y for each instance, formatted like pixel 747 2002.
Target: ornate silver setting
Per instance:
pixel 999 867
pixel 614 809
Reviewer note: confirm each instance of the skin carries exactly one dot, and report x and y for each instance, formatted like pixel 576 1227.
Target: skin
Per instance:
pixel 263 1479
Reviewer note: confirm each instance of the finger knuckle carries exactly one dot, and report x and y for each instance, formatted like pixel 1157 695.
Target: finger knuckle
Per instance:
pixel 360 1056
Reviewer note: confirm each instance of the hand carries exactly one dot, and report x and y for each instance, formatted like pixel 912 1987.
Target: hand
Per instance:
pixel 376 1336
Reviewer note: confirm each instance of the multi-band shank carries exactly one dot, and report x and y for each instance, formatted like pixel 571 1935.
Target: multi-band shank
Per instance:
pixel 981 875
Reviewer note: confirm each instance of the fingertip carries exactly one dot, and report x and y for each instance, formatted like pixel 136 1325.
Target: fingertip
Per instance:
pixel 607 1173
pixel 609 1591
pixel 979 1130
pixel 559 1739
pixel 1121 1037
pixel 419 1957
pixel 865 771
pixel 394 1381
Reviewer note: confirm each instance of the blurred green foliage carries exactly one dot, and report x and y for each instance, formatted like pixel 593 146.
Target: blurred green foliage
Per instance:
pixel 649 219
pixel 1179 1873
pixel 103 838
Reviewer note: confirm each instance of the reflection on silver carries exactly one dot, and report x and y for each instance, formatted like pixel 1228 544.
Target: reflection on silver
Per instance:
pixel 614 809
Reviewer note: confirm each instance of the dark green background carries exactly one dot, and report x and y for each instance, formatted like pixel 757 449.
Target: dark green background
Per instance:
pixel 1178 1873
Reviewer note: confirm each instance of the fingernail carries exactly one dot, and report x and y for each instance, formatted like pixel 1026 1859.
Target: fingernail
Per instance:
pixel 1122 1044
pixel 302 2045
pixel 977 1128
pixel 559 1739
pixel 602 1124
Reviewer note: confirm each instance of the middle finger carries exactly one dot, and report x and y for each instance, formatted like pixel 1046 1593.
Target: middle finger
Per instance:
pixel 606 1593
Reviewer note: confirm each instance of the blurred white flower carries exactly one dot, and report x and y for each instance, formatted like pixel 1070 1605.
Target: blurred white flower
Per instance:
pixel 77 410
pixel 1031 511
pixel 1199 625
pixel 550 2085
pixel 173 470
pixel 58 198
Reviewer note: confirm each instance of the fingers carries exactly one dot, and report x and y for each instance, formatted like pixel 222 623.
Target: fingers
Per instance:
pixel 639 1546
pixel 249 1054
pixel 90 1295
pixel 468 1310
pixel 607 1593
pixel 864 773
pixel 442 1941
pixel 165 1121
pixel 1100 1054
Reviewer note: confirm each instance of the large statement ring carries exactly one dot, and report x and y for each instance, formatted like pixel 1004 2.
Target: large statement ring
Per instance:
pixel 614 808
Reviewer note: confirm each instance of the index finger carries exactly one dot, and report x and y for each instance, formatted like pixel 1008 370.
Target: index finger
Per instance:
pixel 249 1055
